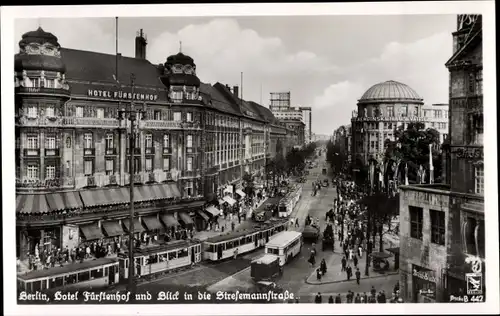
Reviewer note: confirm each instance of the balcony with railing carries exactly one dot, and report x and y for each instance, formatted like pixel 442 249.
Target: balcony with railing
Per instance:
pixel 91 181
pixel 189 150
pixel 51 152
pixel 42 90
pixel 151 176
pixel 191 173
pixel 138 178
pixel 110 152
pixel 31 152
pixel 89 152
pixel 167 150
pixel 149 150
pixel 90 122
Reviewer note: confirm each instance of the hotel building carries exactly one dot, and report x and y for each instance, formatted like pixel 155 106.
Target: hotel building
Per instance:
pixel 442 236
pixel 72 151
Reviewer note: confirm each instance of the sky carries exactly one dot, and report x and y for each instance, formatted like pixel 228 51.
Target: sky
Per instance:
pixel 326 62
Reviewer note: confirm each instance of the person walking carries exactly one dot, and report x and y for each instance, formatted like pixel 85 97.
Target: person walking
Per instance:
pixel 357 299
pixel 355 261
pixel 365 297
pixel 349 273
pixel 358 275
pixel 344 263
pixel 330 300
pixel 338 299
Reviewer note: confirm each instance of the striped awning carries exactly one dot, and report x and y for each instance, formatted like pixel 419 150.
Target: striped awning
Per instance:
pixel 137 225
pixel 91 231
pixel 112 228
pixel 152 222
pixel 105 196
pixel 186 218
pixel 241 193
pixel 31 204
pixel 229 200
pixel 64 201
pixel 156 192
pixel 213 210
pixel 203 215
pixel 169 220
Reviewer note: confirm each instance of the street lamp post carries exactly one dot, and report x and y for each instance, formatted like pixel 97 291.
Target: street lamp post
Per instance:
pixel 133 115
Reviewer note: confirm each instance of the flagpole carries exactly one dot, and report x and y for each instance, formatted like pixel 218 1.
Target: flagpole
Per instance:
pixel 116 47
pixel 241 84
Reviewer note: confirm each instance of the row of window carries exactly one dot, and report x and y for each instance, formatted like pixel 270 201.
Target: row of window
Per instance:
pixel 439 125
pixel 476 82
pixel 52 171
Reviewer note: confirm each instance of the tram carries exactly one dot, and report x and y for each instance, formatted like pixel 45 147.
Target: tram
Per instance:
pixel 224 246
pixel 164 257
pixel 92 274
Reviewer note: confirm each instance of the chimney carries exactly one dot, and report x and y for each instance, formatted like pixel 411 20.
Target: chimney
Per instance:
pixel 236 91
pixel 140 45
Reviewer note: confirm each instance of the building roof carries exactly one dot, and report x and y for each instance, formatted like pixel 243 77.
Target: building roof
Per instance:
pixel 38 36
pixel 390 90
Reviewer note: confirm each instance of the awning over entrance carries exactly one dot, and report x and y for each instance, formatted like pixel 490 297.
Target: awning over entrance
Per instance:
pixel 203 215
pixel 186 218
pixel 473 207
pixel 229 200
pixel 91 231
pixel 99 197
pixel 112 228
pixel 156 192
pixel 31 204
pixel 241 193
pixel 64 201
pixel 213 210
pixel 169 220
pixel 137 225
pixel 152 222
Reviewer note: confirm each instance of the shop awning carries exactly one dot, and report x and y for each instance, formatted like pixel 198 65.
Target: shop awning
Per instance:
pixel 156 192
pixel 64 201
pixel 112 228
pixel 91 231
pixel 152 222
pixel 117 195
pixel 169 220
pixel 203 215
pixel 186 218
pixel 241 193
pixel 137 225
pixel 213 210
pixel 31 204
pixel 229 200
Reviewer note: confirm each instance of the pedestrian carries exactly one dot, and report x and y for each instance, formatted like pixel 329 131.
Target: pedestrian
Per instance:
pixel 318 298
pixel 330 299
pixel 355 260
pixel 338 299
pixel 323 266
pixel 344 263
pixel 349 273
pixel 358 275
pixel 297 222
pixel 365 297
pixel 373 291
pixel 233 226
pixel 357 299
pixel 360 251
pixel 318 274
pixel 312 260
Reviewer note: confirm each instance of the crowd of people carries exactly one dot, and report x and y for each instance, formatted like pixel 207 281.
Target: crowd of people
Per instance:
pixel 364 298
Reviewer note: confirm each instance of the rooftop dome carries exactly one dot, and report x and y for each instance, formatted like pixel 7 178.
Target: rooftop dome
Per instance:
pixel 39 36
pixel 180 58
pixel 390 91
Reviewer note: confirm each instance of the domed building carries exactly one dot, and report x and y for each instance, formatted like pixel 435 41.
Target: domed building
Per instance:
pixel 380 110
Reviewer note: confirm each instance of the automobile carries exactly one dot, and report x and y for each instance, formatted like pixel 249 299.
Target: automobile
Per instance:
pixel 311 233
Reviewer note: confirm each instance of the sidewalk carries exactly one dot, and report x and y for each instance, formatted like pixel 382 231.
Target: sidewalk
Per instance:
pixel 334 273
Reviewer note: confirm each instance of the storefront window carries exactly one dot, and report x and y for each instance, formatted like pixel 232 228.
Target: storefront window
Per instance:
pixel 424 285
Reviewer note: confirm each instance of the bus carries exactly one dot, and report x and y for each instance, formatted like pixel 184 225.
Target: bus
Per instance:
pixel 92 274
pixel 285 245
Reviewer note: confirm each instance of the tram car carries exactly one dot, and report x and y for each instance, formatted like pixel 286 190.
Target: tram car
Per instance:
pixel 92 274
pixel 221 247
pixel 161 258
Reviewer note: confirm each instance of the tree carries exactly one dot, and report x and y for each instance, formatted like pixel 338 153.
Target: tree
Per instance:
pixel 411 148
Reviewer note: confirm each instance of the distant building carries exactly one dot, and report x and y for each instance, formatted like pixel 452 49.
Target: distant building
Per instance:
pixel 442 236
pixel 292 117
pixel 307 119
pixel 437 115
pixel 343 139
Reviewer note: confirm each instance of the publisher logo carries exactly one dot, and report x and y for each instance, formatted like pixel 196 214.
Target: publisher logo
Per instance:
pixel 474 283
